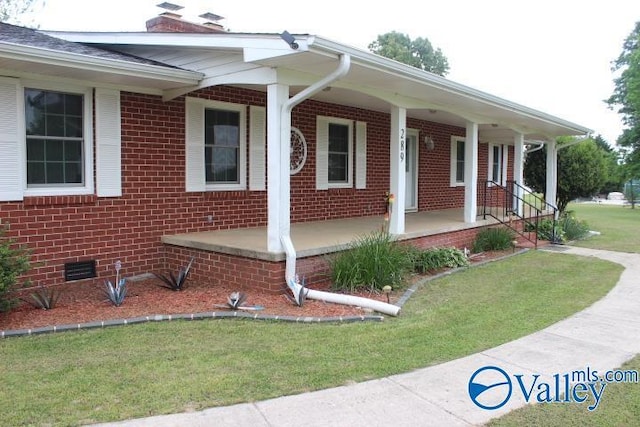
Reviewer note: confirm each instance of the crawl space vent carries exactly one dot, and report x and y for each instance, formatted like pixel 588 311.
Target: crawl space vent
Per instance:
pixel 79 270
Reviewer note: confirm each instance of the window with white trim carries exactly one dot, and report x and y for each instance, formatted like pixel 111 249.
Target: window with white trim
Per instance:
pixel 457 161
pixel 339 153
pixel 495 164
pixel 54 134
pixel 334 153
pixel 222 146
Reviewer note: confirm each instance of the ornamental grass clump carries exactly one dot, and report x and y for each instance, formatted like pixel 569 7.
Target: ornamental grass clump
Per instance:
pixel 372 262
pixel 44 298
pixel 493 239
pixel 572 228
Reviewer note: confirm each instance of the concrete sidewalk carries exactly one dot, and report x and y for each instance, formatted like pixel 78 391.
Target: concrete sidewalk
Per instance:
pixel 601 337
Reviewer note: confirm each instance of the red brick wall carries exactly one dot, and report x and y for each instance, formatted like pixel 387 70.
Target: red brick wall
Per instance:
pixel 221 269
pixel 154 202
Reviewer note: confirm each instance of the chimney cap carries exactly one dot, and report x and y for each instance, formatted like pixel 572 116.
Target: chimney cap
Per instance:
pixel 170 6
pixel 211 16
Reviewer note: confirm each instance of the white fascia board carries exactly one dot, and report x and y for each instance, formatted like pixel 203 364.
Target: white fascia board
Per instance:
pixel 92 63
pixel 371 60
pixel 213 40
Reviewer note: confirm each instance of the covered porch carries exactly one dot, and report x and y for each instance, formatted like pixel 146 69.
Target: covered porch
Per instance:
pixel 323 237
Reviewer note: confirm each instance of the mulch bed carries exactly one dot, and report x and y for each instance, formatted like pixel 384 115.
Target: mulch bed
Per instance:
pixel 82 302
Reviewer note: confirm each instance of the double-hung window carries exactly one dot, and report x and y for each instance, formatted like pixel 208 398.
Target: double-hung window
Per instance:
pixel 222 146
pixel 55 138
pixel 457 161
pixel 497 160
pixel 339 153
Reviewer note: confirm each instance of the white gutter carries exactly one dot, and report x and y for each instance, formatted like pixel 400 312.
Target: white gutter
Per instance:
pixel 285 126
pixel 569 144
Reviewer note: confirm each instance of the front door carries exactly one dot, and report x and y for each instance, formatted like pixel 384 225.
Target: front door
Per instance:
pixel 411 181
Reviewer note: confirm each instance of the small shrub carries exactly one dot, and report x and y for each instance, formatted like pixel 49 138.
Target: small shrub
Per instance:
pixel 14 261
pixel 436 258
pixel 373 261
pixel 44 298
pixel 545 231
pixel 175 283
pixel 493 239
pixel 572 228
pixel 116 293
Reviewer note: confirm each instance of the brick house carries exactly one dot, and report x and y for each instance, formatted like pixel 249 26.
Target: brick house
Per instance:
pixel 256 153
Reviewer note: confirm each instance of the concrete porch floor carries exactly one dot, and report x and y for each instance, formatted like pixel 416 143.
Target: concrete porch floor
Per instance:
pixel 321 237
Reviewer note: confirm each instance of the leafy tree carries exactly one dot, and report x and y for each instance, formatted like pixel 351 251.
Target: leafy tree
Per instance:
pixel 11 10
pixel 626 95
pixel 581 171
pixel 418 53
pixel 615 175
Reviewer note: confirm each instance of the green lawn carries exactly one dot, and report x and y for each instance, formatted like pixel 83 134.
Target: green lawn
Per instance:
pixel 620 406
pixel 134 371
pixel 619 226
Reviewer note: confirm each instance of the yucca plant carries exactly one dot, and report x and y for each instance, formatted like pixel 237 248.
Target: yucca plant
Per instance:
pixel 175 283
pixel 44 298
pixel 116 293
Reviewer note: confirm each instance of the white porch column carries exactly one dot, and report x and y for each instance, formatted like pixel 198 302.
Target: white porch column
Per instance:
pixel 398 142
pixel 518 170
pixel 471 173
pixel 278 180
pixel 552 172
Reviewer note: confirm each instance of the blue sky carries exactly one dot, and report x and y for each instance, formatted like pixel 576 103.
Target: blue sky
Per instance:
pixel 554 56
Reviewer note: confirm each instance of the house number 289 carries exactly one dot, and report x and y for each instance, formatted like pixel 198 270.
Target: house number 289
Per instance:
pixel 401 145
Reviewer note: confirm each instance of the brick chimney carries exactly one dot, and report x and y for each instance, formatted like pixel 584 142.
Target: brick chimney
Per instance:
pixel 171 22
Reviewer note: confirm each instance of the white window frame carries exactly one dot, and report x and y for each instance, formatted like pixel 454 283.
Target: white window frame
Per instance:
pixel 349 182
pixel 500 179
pixel 454 161
pixel 66 189
pixel 242 155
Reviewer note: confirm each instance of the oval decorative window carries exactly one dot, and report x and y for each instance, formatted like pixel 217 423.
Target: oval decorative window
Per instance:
pixel 298 151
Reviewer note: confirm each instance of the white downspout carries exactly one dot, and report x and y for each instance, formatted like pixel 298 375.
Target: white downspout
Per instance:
pixel 287 107
pixel 285 236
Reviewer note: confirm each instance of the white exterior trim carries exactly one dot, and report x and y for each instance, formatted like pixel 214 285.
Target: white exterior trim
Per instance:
pixel 398 146
pixel 471 173
pixel 322 155
pixel 12 144
pixel 257 148
pixel 87 131
pixel 194 110
pixel 108 143
pixel 453 182
pixel 361 155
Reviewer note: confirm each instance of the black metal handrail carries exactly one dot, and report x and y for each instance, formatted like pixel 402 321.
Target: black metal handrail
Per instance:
pixel 514 205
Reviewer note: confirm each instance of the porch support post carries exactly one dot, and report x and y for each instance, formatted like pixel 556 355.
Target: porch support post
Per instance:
pixel 278 179
pixel 398 143
pixel 518 170
pixel 552 172
pixel 471 173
